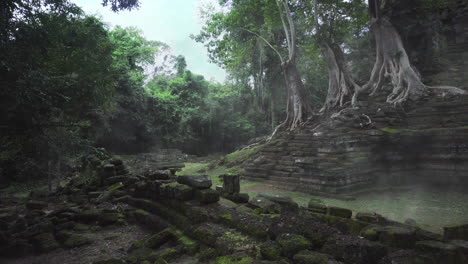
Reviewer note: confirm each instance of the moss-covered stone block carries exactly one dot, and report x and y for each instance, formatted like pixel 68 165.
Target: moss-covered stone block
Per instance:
pixel 207 196
pixel 169 254
pixel 76 241
pixel 196 214
pixel 80 227
pixel 263 205
pixel 340 212
pixel 371 218
pixel 232 241
pixel 233 259
pixel 44 242
pixel 177 191
pixel 206 253
pixel 270 250
pixel 291 244
pixel 94 195
pixel 188 245
pixel 398 236
pixel 156 240
pixel 317 206
pixel 456 232
pixel 312 257
pixel 110 218
pixel 205 235
pixel 371 233
pixel 110 261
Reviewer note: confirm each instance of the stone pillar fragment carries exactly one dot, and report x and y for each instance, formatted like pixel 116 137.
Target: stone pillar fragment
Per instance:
pixel 231 183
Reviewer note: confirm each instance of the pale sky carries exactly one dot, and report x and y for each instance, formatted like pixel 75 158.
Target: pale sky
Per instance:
pixel 168 21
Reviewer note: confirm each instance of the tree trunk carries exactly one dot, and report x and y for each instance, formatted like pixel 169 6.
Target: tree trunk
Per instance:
pixel 341 84
pixel 272 112
pixel 298 106
pixel 392 61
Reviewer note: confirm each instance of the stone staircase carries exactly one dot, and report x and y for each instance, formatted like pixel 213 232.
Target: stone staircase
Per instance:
pixel 423 143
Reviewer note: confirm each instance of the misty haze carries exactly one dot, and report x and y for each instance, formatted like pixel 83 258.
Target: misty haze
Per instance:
pixel 234 131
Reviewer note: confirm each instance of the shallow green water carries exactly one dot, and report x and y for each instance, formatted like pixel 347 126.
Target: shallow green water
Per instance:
pixel 432 209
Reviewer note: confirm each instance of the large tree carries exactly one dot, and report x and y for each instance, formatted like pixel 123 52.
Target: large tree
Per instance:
pixel 298 104
pixel 337 20
pixel 393 62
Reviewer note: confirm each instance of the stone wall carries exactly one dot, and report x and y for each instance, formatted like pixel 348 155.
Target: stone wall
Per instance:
pixel 426 143
pixel 436 38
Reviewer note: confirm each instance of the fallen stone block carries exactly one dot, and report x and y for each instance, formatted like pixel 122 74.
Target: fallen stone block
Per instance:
pixel 195 181
pixel 340 212
pixel 207 196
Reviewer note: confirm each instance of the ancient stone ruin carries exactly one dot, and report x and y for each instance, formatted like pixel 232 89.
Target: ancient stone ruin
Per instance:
pixel 374 145
pixel 189 220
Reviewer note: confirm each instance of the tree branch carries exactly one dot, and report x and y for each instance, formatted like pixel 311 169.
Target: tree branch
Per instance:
pixel 266 41
pixel 286 32
pixel 292 29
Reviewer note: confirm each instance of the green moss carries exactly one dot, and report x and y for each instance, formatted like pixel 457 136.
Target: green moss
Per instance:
pixel 115 186
pixel 204 235
pixel 168 254
pixel 370 233
pixel 240 156
pixel 76 241
pixel 390 130
pixel 270 251
pixel 206 253
pixel 80 227
pixel 226 217
pixel 306 257
pixel 233 260
pixel 156 240
pixel 291 244
pixel 136 245
pixel 142 212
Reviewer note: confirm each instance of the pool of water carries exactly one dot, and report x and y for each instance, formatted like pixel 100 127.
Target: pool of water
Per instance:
pixel 432 209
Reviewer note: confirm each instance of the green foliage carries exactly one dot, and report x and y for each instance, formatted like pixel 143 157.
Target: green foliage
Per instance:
pixel 131 53
pixel 55 67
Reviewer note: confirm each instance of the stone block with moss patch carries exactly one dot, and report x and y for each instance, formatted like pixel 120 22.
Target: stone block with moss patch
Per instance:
pixel 372 218
pixel 232 241
pixel 270 250
pixel 169 254
pixel 94 195
pixel 340 212
pixel 312 257
pixel 233 259
pixel 317 206
pixel 237 197
pixel 205 234
pixel 456 232
pixel 207 196
pixel 263 205
pixel 371 232
pixel 291 244
pixel 80 227
pixel 206 253
pixel 44 242
pixel 195 181
pixel 110 218
pixel 196 214
pixel 110 261
pixel 156 240
pixel 286 203
pixel 176 191
pixel 76 241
